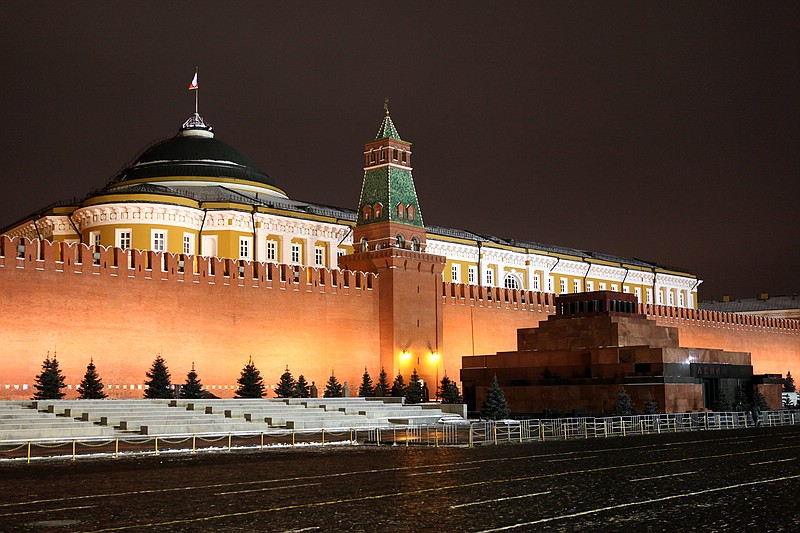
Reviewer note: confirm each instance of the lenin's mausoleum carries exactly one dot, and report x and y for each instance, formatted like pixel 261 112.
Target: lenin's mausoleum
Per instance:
pixel 194 253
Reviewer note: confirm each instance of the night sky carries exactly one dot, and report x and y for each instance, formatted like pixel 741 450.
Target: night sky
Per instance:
pixel 665 131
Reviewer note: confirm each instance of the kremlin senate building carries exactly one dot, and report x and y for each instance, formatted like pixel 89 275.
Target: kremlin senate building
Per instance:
pixel 194 253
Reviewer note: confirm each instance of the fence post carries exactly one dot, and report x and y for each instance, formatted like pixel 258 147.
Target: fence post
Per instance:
pixel 29 452
pixel 156 445
pixel 229 443
pixel 406 436
pixel 262 440
pixel 323 436
pixel 470 436
pixel 494 430
pixel 193 446
pixel 73 449
pixel 116 448
pixel 323 439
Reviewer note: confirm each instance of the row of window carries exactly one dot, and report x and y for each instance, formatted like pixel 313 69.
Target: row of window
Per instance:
pixel 374 212
pixel 512 281
pixel 397 155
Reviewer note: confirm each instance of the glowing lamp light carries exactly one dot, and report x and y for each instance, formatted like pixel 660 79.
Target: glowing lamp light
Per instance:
pixel 405 355
pixel 435 356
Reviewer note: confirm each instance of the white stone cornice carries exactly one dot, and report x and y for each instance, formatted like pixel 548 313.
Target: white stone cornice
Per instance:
pixel 127 214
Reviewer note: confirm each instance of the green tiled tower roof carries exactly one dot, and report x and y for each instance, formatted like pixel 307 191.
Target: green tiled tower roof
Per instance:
pixel 387 129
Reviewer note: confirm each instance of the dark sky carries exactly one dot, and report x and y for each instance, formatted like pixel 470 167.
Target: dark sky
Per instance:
pixel 667 131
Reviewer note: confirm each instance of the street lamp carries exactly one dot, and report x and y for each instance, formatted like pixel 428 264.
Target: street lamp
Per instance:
pixel 435 356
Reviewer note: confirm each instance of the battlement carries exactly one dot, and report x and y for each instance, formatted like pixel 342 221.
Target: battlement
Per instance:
pixel 522 300
pixel 75 258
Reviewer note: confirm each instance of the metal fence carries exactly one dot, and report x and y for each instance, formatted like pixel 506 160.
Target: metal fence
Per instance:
pixel 443 434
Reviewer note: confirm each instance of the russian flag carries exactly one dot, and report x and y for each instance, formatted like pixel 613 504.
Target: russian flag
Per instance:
pixel 193 86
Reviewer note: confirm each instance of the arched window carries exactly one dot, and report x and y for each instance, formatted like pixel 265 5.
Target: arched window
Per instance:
pixel 367 213
pixel 364 244
pixel 512 281
pixel 415 244
pixel 377 210
pixel 401 210
pixel 401 241
pixel 410 212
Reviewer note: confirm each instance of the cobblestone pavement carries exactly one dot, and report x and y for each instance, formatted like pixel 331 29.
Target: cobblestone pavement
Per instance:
pixel 710 481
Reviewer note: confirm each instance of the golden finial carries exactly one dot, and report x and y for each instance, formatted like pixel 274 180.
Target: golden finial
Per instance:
pixel 386 106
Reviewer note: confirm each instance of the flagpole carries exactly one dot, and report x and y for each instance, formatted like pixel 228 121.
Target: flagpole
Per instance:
pixel 196 94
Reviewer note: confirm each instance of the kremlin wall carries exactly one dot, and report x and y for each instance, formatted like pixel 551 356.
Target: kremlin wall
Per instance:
pixel 122 307
pixel 194 253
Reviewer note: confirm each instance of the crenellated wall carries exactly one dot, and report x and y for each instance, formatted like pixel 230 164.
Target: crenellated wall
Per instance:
pixel 123 307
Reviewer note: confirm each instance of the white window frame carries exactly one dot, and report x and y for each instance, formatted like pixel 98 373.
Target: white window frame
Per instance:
pixel 649 295
pixel 511 281
pixel 188 244
pixel 158 240
pixel 681 300
pixel 94 238
pixel 589 286
pixel 602 286
pixel 123 238
pixel 550 283
pixel 535 281
pixel 615 287
pixel 272 250
pixel 671 298
pixel 472 274
pixel 245 248
pixel 638 292
pixel 319 256
pixel 489 276
pixel 576 286
pixel 296 252
pixel 563 286
pixel 455 273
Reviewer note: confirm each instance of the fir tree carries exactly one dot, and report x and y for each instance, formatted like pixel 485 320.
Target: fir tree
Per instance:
pixel 382 388
pixel 494 405
pixel 788 383
pixel 251 384
pixel 651 407
pixel 91 387
pixel 366 389
pixel 158 384
pixel 192 389
pixel 287 386
pixel 624 405
pixel 302 388
pixel 50 381
pixel 722 403
pixel 760 401
pixel 740 402
pixel 414 389
pixel 449 392
pixel 333 389
pixel 399 386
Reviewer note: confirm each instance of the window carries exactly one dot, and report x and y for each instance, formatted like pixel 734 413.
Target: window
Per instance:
pixel 394 154
pixel 489 276
pixel 626 289
pixel 576 285
pixel 549 283
pixel 159 240
pixel 295 252
pixel 383 154
pixel 563 286
pixel 244 248
pixel 511 282
pixel 681 301
pixel 403 156
pixel 649 293
pixel 615 287
pixel 188 243
pixel 536 282
pixel 410 212
pixel 364 244
pixel 602 286
pixel 638 292
pixel 272 250
pixel 340 253
pixel 415 244
pixel 319 256
pixel 378 210
pixel 94 238
pixel 123 239
pixel 589 286
pixel 660 297
pixel 400 240
pixel 670 298
pixel 455 273
pixel 401 210
pixel 472 274
pixel 372 157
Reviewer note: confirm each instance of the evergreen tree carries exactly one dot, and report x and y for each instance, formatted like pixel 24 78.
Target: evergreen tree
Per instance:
pixel 333 389
pixel 399 386
pixel 414 389
pixel 722 402
pixel 251 384
pixel 287 386
pixel 382 388
pixel 788 383
pixel 50 381
pixel 494 405
pixel 302 388
pixel 740 402
pixel 366 389
pixel 91 387
pixel 624 405
pixel 192 389
pixel 760 401
pixel 449 392
pixel 158 384
pixel 651 407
